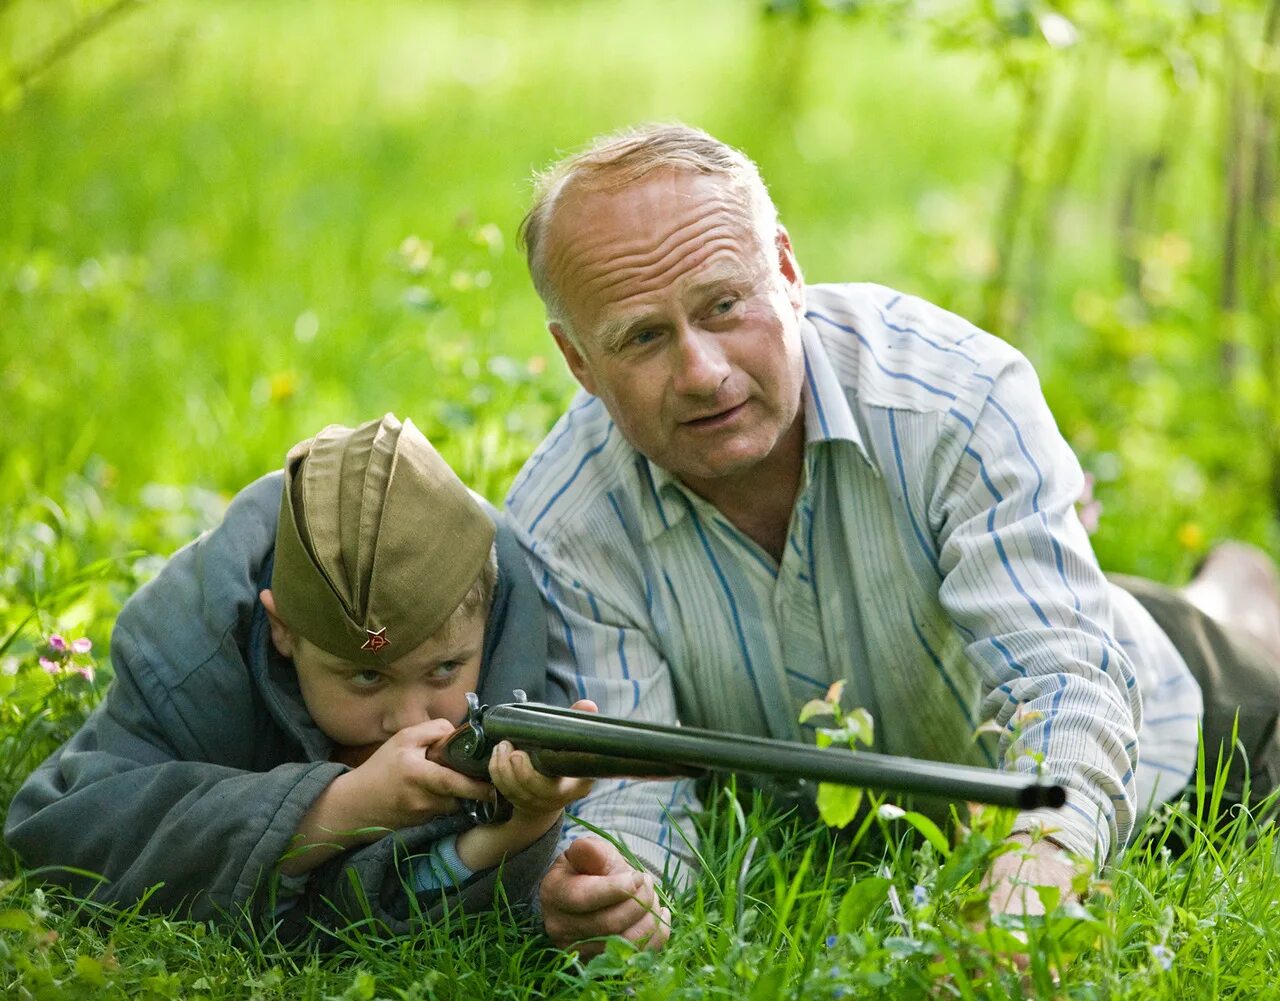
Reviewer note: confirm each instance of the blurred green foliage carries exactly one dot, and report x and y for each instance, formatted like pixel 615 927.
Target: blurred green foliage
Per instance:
pixel 223 226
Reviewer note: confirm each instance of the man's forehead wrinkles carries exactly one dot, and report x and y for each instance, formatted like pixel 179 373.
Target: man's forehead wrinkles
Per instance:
pixel 714 260
pixel 690 215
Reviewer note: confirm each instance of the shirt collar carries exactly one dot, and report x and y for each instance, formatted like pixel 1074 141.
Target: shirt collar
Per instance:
pixel 827 418
pixel 827 414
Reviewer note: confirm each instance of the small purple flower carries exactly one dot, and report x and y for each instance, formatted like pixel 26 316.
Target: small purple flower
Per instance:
pixel 1161 954
pixel 57 644
pixel 919 895
pixel 50 666
pixel 85 672
pixel 82 645
pixel 832 940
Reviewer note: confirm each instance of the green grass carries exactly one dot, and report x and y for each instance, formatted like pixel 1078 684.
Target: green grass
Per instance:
pixel 224 226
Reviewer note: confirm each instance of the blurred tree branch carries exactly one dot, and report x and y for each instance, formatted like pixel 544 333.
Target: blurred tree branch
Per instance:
pixel 22 75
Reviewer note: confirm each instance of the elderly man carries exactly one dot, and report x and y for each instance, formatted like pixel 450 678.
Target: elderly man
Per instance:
pixel 768 487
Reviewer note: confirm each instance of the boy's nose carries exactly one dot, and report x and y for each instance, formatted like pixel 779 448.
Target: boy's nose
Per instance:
pixel 404 713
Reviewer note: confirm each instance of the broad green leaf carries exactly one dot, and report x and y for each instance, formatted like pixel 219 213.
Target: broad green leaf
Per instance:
pixel 860 901
pixel 838 804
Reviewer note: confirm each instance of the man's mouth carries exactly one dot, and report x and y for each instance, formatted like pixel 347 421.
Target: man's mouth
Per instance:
pixel 710 422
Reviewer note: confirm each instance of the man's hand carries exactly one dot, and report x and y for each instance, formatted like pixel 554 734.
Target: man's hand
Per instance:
pixel 591 891
pixel 1014 876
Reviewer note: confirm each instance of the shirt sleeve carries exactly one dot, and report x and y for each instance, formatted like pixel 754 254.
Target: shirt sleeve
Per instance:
pixel 1021 583
pixel 440 867
pixel 597 653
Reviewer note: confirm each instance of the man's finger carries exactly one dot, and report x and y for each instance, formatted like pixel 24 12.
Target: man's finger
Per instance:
pixel 567 894
pixel 629 916
pixel 651 931
pixel 595 857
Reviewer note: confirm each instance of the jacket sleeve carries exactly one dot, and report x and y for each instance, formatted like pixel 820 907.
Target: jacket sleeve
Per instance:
pixel 125 812
pixel 377 882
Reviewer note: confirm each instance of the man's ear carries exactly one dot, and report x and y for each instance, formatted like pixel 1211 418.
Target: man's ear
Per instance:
pixel 789 268
pixel 282 637
pixel 574 357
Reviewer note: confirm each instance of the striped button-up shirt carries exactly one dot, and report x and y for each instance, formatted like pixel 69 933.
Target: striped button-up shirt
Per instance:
pixel 934 563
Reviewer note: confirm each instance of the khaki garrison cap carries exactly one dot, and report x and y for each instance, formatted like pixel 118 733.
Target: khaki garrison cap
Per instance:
pixel 378 541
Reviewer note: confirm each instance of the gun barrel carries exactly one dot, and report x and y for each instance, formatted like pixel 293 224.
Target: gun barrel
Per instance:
pixel 688 751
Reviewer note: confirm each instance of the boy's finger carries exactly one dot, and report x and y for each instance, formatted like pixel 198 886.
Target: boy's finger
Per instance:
pixel 426 733
pixel 446 782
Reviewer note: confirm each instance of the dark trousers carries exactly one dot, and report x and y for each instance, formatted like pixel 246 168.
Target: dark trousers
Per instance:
pixel 1236 676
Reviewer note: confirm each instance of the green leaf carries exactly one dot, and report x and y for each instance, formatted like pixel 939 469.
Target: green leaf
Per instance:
pixel 814 707
pixel 838 804
pixel 15 920
pixel 1049 897
pixel 861 726
pixel 860 901
pixel 90 970
pixel 769 984
pixel 362 988
pixel 930 830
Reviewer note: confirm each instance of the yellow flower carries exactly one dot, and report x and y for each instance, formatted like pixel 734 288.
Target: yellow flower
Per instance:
pixel 1190 535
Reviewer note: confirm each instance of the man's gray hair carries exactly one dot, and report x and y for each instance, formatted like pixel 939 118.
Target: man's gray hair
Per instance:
pixel 621 158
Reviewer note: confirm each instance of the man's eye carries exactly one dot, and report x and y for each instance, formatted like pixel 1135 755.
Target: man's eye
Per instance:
pixel 724 306
pixel 642 337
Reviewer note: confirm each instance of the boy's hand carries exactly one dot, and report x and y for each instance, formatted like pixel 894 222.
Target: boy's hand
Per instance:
pixel 532 794
pixel 398 787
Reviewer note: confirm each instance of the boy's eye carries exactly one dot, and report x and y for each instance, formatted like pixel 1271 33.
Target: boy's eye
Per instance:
pixel 444 670
pixel 366 679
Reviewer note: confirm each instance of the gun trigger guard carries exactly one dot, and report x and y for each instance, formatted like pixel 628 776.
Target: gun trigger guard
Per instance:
pixel 495 810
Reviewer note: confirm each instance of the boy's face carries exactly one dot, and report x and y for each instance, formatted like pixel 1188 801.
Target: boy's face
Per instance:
pixel 355 705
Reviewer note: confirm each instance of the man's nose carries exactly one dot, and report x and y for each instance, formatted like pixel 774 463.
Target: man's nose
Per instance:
pixel 699 366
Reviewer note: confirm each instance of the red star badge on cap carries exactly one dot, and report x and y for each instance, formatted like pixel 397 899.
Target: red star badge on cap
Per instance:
pixel 376 641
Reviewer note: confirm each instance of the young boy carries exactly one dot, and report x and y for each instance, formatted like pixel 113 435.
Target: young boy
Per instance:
pixel 277 686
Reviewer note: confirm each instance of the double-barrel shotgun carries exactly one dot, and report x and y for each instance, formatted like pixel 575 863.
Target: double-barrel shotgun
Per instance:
pixel 569 742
